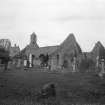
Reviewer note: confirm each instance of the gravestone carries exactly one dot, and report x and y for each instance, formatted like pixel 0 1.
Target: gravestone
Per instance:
pixel 19 63
pixel 9 65
pixel 30 60
pixel 25 63
pixel 102 68
pixel 74 64
pixel 97 61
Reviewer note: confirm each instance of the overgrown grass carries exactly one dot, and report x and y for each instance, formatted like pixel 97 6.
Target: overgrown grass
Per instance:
pixel 21 87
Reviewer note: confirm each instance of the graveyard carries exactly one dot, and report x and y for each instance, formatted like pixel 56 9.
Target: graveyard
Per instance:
pixel 78 76
pixel 52 52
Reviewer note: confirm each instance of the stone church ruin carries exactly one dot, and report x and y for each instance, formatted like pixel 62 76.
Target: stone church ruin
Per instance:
pixel 66 56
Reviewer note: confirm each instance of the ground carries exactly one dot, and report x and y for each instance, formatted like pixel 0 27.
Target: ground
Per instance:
pixel 22 87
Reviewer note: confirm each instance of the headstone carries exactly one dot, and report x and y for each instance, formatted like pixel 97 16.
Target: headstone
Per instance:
pixel 74 64
pixel 102 68
pixel 30 60
pixel 97 61
pixel 9 64
pixel 53 65
pixel 19 63
pixel 25 63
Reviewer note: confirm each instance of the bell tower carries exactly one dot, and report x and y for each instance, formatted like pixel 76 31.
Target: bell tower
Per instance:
pixel 33 38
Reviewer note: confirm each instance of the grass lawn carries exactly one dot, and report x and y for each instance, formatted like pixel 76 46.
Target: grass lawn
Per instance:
pixel 21 87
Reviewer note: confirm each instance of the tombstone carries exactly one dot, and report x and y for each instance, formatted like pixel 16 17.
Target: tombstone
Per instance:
pixel 97 61
pixel 53 63
pixel 74 64
pixel 30 60
pixel 19 63
pixel 25 63
pixel 102 68
pixel 9 65
pixel 14 62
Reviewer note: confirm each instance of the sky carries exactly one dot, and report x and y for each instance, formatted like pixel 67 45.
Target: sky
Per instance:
pixel 53 21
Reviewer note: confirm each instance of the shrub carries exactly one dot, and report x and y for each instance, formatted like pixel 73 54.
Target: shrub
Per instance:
pixel 86 64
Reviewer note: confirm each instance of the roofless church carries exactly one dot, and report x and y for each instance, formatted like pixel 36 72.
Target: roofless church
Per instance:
pixel 61 55
pixel 67 55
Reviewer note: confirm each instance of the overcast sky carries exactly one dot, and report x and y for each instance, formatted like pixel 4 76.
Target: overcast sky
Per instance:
pixel 52 21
